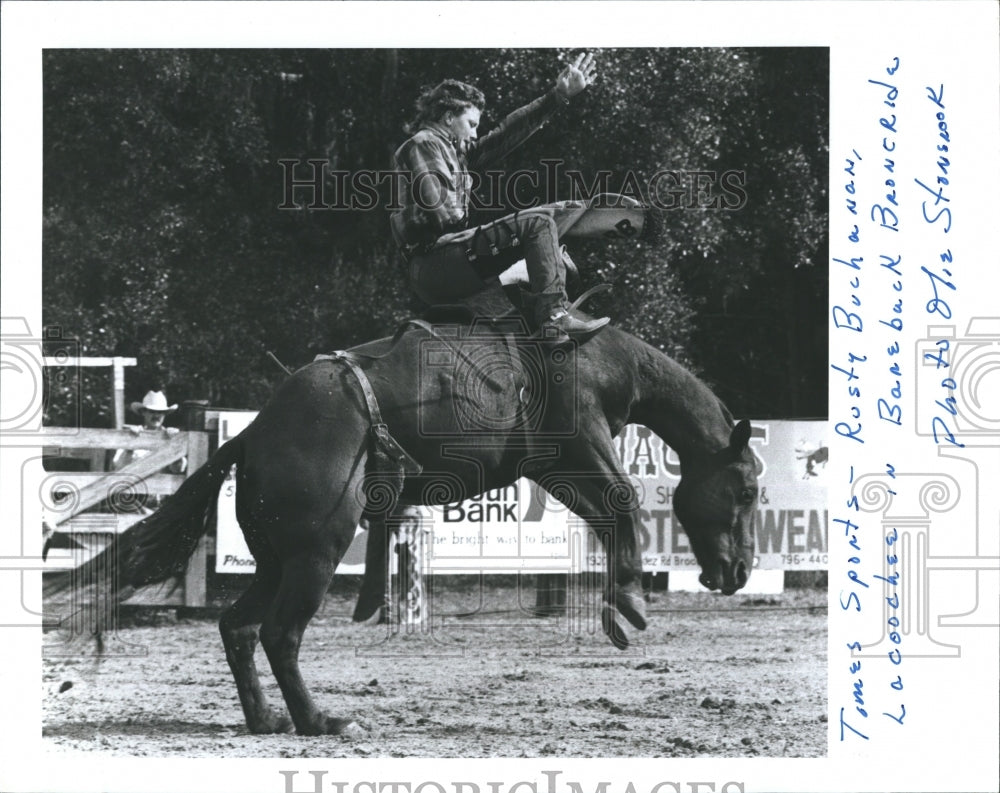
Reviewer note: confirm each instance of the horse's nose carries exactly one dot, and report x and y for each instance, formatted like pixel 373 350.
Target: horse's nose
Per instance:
pixel 740 573
pixel 734 577
pixel 708 581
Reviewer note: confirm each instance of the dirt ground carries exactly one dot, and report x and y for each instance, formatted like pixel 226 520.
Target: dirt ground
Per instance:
pixel 711 677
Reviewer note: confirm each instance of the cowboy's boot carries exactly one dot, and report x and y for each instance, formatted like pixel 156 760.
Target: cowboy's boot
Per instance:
pixel 557 326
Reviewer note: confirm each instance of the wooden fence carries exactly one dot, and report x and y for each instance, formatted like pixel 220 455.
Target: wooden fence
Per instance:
pixel 90 507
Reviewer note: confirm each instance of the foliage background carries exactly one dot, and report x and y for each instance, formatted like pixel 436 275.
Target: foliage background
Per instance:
pixel 163 239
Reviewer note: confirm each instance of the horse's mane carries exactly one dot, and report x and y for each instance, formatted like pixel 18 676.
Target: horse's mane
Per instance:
pixel 727 413
pixel 668 389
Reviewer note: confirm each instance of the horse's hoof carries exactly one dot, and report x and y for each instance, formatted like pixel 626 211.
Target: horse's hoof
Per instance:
pixel 271 724
pixel 614 631
pixel 346 727
pixel 632 607
pixel 327 725
pixel 322 724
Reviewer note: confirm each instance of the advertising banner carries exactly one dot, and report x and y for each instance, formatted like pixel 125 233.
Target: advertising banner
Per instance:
pixel 231 552
pixel 522 527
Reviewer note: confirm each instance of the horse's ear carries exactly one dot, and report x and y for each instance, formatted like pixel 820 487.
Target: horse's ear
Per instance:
pixel 740 437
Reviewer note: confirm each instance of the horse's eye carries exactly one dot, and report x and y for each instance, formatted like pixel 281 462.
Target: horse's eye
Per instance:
pixel 747 495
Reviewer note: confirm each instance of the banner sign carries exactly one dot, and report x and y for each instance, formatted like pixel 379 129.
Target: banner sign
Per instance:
pixel 521 527
pixel 231 552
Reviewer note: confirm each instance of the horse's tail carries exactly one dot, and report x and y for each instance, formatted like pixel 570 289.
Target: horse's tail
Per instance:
pixel 158 547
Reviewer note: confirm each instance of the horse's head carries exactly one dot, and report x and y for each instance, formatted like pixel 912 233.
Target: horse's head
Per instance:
pixel 716 503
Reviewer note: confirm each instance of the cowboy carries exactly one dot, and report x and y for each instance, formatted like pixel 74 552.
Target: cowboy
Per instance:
pixel 153 410
pixel 447 259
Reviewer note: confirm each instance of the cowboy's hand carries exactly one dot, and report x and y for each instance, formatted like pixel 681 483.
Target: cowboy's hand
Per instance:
pixel 577 76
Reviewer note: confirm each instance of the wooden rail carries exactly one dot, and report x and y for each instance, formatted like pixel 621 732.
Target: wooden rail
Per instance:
pixel 87 490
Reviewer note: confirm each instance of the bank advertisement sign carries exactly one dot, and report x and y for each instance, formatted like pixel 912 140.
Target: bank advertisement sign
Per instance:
pixel 522 527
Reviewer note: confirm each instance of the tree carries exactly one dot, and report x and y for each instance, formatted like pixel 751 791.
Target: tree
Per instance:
pixel 163 238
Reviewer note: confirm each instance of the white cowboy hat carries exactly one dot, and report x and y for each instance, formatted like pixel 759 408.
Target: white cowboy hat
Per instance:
pixel 155 402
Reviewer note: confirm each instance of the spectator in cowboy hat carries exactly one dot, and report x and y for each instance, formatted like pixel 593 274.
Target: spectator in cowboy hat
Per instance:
pixel 153 409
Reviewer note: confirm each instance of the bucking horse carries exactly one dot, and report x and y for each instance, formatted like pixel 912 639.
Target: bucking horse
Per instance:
pixel 439 413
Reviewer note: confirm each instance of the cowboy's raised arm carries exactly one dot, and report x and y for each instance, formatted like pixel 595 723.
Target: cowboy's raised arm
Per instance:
pixel 525 121
pixel 576 76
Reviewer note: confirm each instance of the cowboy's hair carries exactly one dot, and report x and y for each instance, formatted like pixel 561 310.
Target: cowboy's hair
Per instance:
pixel 446 95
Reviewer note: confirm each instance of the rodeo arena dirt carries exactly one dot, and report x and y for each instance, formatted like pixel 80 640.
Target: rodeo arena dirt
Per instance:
pixel 712 678
pixel 474 650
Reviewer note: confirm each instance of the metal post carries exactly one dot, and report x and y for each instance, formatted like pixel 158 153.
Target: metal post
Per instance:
pixel 412 604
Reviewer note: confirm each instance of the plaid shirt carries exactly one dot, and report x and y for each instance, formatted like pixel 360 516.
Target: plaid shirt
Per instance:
pixel 437 185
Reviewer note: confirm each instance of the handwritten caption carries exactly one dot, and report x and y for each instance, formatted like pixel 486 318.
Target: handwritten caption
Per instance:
pixel 890 242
